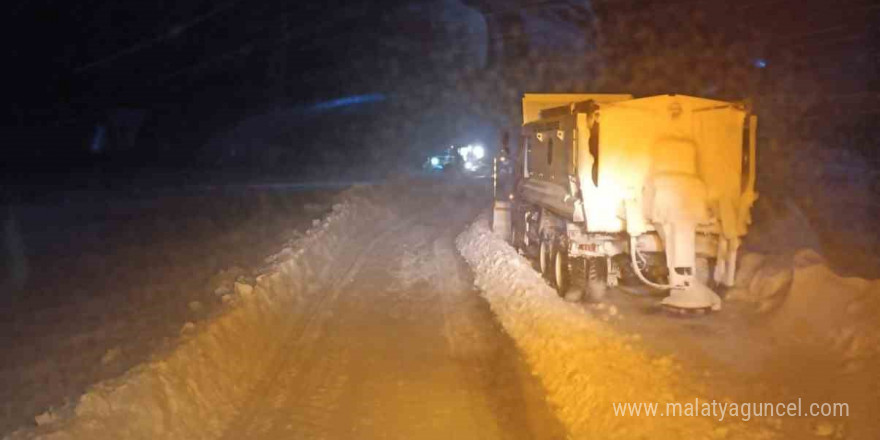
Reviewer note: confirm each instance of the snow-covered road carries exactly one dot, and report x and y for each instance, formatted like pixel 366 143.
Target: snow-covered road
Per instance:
pixel 368 326
pixel 400 315
pixel 400 346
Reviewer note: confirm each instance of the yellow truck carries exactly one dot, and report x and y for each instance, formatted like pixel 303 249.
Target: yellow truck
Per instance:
pixel 656 190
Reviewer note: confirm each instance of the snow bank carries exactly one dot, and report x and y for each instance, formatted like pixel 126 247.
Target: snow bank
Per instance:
pixel 823 329
pixel 824 308
pixel 194 391
pixel 583 365
pixel 812 306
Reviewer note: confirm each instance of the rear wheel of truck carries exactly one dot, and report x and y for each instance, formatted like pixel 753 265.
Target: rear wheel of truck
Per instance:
pixel 571 288
pixel 588 279
pixel 545 259
pixel 561 274
pixel 517 232
pixel 595 274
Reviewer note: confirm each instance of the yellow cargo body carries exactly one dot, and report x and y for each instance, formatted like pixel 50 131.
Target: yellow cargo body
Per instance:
pixel 602 175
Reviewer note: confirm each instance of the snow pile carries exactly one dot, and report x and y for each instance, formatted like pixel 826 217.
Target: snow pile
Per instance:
pixel 823 307
pixel 824 330
pixel 584 366
pixel 195 390
pixel 813 307
pixel 762 282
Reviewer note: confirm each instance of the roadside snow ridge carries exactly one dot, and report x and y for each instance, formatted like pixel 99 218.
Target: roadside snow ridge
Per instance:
pixel 583 364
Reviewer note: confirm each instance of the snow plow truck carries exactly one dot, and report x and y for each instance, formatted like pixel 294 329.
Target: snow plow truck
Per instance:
pixel 608 189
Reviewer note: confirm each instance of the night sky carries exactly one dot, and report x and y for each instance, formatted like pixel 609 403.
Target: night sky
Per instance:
pixel 197 84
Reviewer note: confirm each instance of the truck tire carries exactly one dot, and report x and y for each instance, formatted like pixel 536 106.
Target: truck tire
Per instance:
pixel 545 259
pixel 568 288
pixel 561 275
pixel 517 232
pixel 595 284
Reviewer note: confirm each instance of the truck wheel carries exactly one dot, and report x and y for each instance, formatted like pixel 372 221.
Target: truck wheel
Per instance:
pixel 563 277
pixel 560 271
pixel 545 259
pixel 517 233
pixel 595 285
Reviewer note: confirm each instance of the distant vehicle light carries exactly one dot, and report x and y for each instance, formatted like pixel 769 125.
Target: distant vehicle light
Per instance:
pixel 435 161
pixel 470 166
pixel 479 152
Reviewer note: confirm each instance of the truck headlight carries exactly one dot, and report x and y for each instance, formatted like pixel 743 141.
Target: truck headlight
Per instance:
pixel 478 151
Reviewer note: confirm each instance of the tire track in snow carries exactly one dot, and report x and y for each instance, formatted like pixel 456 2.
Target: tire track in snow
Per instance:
pixel 422 363
pixel 487 355
pixel 316 411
